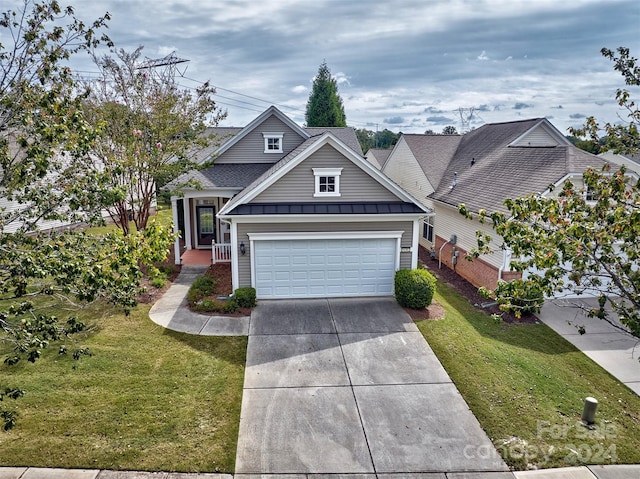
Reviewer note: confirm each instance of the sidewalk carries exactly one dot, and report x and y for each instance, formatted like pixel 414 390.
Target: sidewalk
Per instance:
pixel 615 350
pixel 584 472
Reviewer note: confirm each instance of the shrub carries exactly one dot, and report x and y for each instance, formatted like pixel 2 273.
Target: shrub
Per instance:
pixel 201 288
pixel 215 306
pixel 245 297
pixel 414 288
pixel 519 296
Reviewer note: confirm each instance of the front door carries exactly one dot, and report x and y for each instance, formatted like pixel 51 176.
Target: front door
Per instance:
pixel 206 223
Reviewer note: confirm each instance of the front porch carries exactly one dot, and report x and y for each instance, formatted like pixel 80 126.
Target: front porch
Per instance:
pixel 219 253
pixel 202 238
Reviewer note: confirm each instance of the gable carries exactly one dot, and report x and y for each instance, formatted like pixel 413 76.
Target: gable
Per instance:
pixel 299 184
pixel 250 147
pixel 403 168
pixel 541 135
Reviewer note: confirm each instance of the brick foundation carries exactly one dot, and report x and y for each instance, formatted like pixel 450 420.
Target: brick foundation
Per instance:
pixel 477 272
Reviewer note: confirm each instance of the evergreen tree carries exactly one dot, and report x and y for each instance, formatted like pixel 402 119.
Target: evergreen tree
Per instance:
pixel 325 107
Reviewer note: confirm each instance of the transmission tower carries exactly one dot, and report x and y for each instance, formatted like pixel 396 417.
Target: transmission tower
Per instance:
pixel 164 68
pixel 466 115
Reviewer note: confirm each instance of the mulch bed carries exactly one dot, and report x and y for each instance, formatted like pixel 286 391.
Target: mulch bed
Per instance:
pixel 151 293
pixel 221 272
pixel 469 291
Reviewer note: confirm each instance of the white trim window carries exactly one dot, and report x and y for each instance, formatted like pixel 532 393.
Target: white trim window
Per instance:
pixel 273 142
pixel 327 181
pixel 590 196
pixel 427 229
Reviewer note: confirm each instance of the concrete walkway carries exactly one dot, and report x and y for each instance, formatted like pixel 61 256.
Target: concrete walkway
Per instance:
pixel 171 311
pixel 615 350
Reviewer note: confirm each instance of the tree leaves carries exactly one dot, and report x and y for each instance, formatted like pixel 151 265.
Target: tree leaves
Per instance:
pixel 324 107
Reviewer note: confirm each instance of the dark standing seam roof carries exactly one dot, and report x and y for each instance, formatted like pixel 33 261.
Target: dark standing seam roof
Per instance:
pixel 501 171
pixel 365 208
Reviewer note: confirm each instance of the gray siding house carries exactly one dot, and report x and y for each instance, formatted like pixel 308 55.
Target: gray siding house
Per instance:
pixel 299 212
pixel 482 169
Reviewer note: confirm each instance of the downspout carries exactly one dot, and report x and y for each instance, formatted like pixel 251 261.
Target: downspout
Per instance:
pixel 506 260
pixel 453 240
pixel 440 254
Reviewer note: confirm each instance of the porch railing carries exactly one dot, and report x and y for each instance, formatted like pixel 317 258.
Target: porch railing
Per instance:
pixel 220 252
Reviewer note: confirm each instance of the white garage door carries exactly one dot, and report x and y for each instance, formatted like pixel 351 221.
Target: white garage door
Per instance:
pixel 324 268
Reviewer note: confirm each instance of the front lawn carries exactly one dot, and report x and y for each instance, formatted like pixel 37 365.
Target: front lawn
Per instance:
pixel 148 399
pixel 527 385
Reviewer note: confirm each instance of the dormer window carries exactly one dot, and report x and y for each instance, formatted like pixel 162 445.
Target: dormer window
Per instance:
pixel 273 142
pixel 327 181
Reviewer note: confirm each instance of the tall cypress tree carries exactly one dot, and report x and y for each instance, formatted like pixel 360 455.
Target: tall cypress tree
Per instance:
pixel 324 107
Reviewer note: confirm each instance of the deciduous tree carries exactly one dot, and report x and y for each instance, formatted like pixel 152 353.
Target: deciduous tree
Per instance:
pixel 44 139
pixel 148 127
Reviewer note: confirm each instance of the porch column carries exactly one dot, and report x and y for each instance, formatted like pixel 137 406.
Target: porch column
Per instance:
pixel 415 242
pixel 235 281
pixel 187 222
pixel 176 231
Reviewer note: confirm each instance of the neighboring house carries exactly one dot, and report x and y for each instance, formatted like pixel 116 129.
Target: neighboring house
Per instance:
pixel 299 212
pixel 632 162
pixel 417 163
pixel 482 169
pixel 377 156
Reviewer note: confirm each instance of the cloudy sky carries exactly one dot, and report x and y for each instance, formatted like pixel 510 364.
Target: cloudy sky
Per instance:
pixel 405 65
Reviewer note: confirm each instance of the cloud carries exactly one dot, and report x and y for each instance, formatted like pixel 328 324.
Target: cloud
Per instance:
pixel 439 119
pixel 577 116
pixel 264 52
pixel 396 120
pixel 341 78
pixel 522 106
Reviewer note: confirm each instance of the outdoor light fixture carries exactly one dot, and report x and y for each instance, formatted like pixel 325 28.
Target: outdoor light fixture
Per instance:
pixel 243 250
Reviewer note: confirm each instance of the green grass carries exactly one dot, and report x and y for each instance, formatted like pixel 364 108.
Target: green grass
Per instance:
pixel 148 399
pixel 527 385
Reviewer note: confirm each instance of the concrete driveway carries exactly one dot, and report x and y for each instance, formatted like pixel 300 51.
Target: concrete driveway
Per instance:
pixel 350 386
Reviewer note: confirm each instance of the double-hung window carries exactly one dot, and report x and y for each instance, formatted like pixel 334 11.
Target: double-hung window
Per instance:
pixel 427 229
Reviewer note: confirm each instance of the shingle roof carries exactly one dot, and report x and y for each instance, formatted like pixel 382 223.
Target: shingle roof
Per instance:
pixel 374 208
pixel 225 175
pixel 220 135
pixel 433 153
pixel 379 156
pixel 501 171
pixel 345 135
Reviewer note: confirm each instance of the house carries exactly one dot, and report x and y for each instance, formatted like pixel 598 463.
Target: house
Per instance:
pixel 482 169
pixel 632 162
pixel 299 212
pixel 377 156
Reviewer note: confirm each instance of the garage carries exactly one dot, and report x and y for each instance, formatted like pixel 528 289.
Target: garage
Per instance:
pixel 324 267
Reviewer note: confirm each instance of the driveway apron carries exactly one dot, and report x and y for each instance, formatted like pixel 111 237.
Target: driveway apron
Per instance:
pixel 350 386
